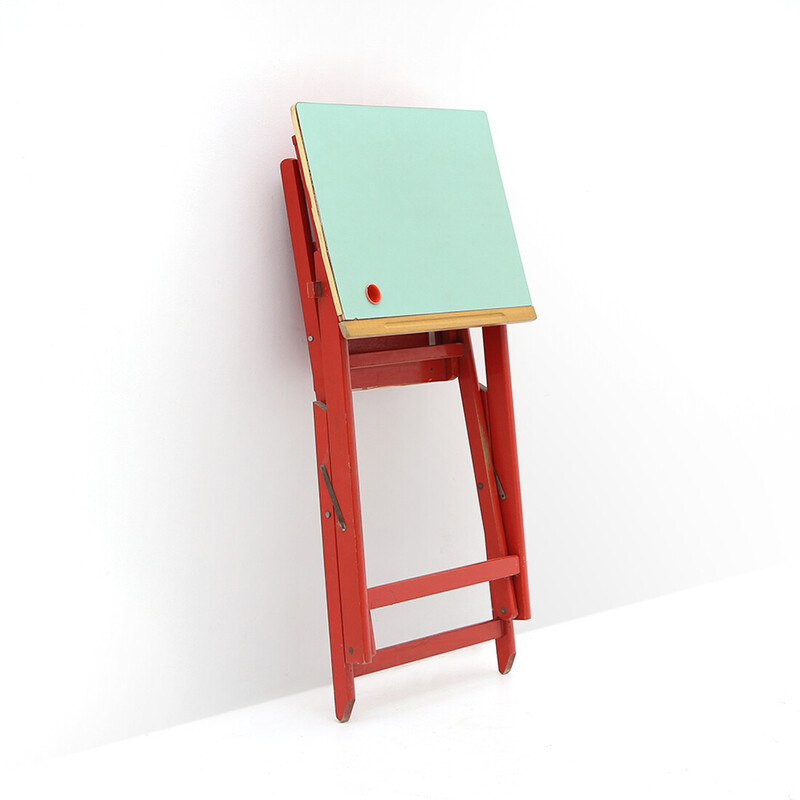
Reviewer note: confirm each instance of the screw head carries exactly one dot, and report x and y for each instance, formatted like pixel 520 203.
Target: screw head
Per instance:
pixel 502 611
pixel 310 338
pixel 350 650
pixel 480 486
pixel 327 515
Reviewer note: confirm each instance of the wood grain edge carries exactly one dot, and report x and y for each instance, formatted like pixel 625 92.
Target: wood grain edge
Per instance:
pixel 423 323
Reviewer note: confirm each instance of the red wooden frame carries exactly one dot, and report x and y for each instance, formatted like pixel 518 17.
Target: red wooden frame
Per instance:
pixel 338 367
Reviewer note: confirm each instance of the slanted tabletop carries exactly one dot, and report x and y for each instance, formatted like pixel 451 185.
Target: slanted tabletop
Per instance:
pixel 413 222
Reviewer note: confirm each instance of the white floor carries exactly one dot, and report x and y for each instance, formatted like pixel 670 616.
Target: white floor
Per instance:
pixel 693 695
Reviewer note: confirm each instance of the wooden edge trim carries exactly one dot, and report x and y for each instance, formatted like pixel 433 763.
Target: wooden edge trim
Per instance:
pixel 423 323
pixel 304 168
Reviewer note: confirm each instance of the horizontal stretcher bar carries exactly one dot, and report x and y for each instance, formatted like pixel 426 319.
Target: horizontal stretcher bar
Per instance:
pixel 428 646
pixel 402 374
pixel 436 582
pixel 407 355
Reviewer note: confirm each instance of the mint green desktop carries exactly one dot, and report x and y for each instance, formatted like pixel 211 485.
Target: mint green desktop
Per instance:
pixel 411 200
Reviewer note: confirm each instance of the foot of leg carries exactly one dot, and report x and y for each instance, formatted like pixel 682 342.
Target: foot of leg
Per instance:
pixel 506 648
pixel 343 712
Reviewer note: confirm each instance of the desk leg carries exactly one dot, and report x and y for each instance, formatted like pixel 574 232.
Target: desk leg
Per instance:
pixel 502 431
pixel 359 638
pixel 504 605
pixel 344 690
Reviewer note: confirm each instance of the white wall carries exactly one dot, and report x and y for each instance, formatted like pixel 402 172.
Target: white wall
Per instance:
pixel 161 557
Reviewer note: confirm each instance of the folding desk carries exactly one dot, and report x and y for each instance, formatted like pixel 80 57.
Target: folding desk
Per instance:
pixel 402 242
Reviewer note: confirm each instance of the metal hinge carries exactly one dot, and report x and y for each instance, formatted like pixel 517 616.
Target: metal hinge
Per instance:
pixel 336 508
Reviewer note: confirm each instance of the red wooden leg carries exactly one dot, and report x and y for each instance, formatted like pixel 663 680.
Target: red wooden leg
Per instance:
pixel 500 409
pixel 359 640
pixel 348 616
pixel 504 605
pixel 344 690
pixel 506 648
pixel 303 248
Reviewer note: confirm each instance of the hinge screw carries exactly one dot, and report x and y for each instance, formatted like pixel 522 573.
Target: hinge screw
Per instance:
pixel 310 338
pixel 327 515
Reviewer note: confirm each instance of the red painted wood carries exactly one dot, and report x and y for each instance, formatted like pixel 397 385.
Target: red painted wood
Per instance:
pixel 400 374
pixel 504 604
pixel 480 450
pixel 449 337
pixel 344 689
pixel 358 635
pixel 434 645
pixel 500 407
pixel 398 342
pixel 333 357
pixel 408 355
pixel 506 648
pixel 436 582
pixel 303 248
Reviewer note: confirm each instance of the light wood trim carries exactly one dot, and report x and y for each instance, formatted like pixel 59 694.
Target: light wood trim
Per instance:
pixel 301 149
pixel 423 323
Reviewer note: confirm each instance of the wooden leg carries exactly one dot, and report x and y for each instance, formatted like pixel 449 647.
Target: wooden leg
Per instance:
pixel 500 414
pixel 344 690
pixel 359 639
pixel 341 579
pixel 506 648
pixel 504 604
